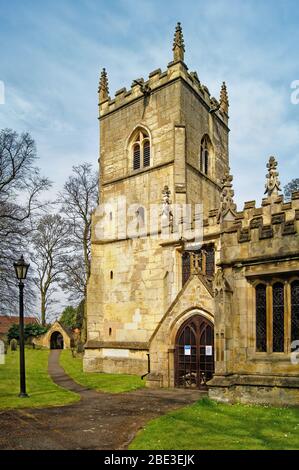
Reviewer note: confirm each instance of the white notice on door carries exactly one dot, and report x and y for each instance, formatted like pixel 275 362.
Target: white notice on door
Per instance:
pixel 187 350
pixel 209 350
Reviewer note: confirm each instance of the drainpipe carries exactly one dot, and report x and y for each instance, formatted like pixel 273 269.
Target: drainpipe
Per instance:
pixel 148 366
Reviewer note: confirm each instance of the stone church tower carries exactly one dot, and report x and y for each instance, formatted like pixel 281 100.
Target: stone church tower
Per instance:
pixel 160 302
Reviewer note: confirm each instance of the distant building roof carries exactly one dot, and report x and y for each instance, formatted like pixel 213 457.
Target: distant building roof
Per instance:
pixel 6 322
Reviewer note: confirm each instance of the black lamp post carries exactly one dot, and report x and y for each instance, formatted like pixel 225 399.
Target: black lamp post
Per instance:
pixel 21 269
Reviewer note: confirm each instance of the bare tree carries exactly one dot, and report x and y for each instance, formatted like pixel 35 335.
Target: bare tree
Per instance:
pixel 20 188
pixel 50 241
pixel 289 188
pixel 78 199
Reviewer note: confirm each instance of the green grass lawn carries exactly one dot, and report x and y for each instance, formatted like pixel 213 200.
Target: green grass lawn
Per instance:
pixel 112 383
pixel 210 425
pixel 42 391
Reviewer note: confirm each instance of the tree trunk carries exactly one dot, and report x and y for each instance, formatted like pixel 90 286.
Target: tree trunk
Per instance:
pixel 43 308
pixel 84 321
pixel 87 270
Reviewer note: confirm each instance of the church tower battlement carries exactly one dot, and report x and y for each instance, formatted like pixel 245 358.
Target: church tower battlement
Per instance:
pixel 187 130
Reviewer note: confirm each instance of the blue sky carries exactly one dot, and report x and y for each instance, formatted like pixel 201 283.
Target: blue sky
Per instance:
pixel 52 53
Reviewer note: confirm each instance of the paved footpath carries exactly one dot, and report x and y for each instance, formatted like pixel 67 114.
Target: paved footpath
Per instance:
pixel 97 421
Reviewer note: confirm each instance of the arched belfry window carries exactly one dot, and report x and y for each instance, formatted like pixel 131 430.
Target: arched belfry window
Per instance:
pixel 205 155
pixel 146 153
pixel 141 149
pixel 136 156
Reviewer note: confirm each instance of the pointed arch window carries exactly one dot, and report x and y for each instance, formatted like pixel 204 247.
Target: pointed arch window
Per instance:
pixel 205 154
pixel 198 261
pixel 141 150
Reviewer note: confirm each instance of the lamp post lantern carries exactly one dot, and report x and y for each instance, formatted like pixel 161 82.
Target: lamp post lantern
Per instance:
pixel 21 268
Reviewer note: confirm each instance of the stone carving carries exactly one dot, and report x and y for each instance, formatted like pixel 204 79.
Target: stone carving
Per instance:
pixel 167 216
pixel 103 87
pixel 222 283
pixel 227 209
pixel 272 182
pixel 178 44
pixel 224 103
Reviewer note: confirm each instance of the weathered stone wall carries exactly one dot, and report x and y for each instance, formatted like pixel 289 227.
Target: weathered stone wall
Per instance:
pixel 135 300
pixel 257 394
pixel 134 281
pixel 260 243
pixel 118 126
pixel 130 304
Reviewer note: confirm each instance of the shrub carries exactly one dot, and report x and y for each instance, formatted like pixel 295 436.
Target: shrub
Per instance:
pixel 30 330
pixel 13 332
pixel 13 344
pixel 80 347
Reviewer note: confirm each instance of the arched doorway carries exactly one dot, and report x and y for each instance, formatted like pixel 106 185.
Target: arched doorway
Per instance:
pixel 56 341
pixel 194 353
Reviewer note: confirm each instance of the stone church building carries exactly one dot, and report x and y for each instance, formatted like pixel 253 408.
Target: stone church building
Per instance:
pixel 219 310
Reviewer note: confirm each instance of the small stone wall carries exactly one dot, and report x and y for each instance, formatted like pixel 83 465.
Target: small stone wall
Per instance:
pixel 269 390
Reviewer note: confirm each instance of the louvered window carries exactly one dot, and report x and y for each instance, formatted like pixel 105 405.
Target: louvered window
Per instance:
pixel 146 153
pixel 261 318
pixel 141 150
pixel 136 157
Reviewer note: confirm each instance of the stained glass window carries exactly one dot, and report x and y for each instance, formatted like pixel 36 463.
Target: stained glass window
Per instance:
pixel 278 317
pixel 210 260
pixel 295 311
pixel 186 267
pixel 261 318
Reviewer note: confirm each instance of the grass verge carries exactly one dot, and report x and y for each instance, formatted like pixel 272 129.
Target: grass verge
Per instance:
pixel 208 425
pixel 42 391
pixel 111 383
